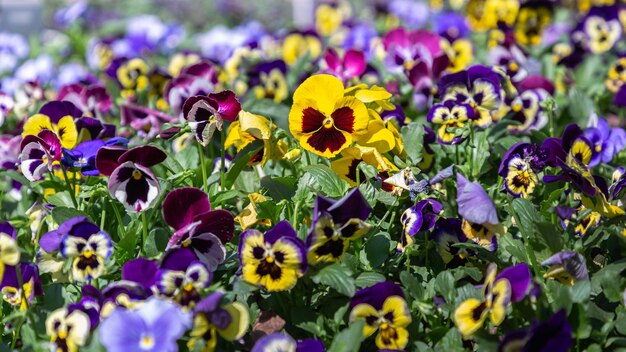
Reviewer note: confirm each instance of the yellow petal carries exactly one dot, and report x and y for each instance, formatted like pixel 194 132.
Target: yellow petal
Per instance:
pixel 256 125
pixel 363 311
pixel 400 310
pixel 66 131
pixel 36 124
pixel 239 325
pixel 465 316
pixel 324 89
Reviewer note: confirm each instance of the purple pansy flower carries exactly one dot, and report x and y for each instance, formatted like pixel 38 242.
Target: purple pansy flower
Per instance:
pixel 552 335
pixel 351 65
pixel 606 141
pixel 420 217
pixel 205 114
pixel 92 100
pixel 145 122
pixel 130 180
pixel 31 285
pixel 278 342
pixel 206 231
pixel 155 326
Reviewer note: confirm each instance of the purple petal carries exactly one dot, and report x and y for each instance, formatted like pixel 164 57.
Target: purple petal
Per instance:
pixel 519 277
pixel 376 295
pixel 178 259
pixel 146 155
pixel 228 105
pixel 182 204
pixel 107 159
pixel 474 203
pixel 140 270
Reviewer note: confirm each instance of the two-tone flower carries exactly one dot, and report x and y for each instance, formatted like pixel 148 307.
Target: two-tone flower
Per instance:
pixel 322 119
pixel 526 108
pixel 352 64
pixel 472 313
pixel 205 114
pixel 212 317
pixel 39 154
pixel 13 293
pixel 283 342
pixel 519 168
pixel 58 117
pixel 566 267
pixel 9 251
pixel 132 76
pixel 335 224
pixel 182 276
pixel 130 180
pixel 251 127
pixel 197 227
pixel 267 80
pixel 420 217
pixel 68 331
pixel 82 243
pixel 601 28
pixel 451 118
pixel 273 261
pixel 616 81
pixel 384 310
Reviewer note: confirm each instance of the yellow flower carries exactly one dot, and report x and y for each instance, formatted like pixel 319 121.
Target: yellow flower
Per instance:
pixel 391 322
pixel 486 14
pixel 322 119
pixel 133 76
pixel 346 167
pixel 181 60
pixel 327 19
pixel 250 127
pixel 64 128
pixel 460 53
pixel 298 45
pixel 248 216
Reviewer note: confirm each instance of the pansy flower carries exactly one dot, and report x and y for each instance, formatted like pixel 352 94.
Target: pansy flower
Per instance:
pixel 616 81
pixel 384 309
pixel 145 122
pixel 488 14
pixel 83 243
pixel 480 218
pixel 420 217
pixel 68 331
pixel 553 334
pixel 93 100
pixel 480 87
pixel 335 224
pixel 602 29
pixel 532 19
pixel 267 81
pixel 251 127
pixel 6 105
pixel 274 260
pixel 39 154
pixel 472 313
pixel 451 117
pixel 182 276
pixel 83 156
pixel 446 233
pixel 351 65
pixel 278 342
pixel 132 75
pixel 205 114
pixel 606 141
pixel 31 285
pixel 297 45
pixel 154 326
pixel 566 267
pixel 212 317
pixel 58 117
pixel 346 167
pixel 130 180
pixel 519 168
pixel 323 119
pixel 328 18
pixel 526 107
pixel 9 251
pixel 589 221
pixel 206 231
pixel 197 79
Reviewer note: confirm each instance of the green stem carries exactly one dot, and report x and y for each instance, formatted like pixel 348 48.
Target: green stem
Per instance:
pixel 308 158
pixel 69 187
pixel 223 157
pixel 119 221
pixel 202 166
pixel 471 154
pixel 144 229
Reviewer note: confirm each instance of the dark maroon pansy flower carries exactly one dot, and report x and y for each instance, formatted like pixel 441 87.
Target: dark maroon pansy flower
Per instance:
pixel 92 100
pixel 38 153
pixel 188 211
pixel 130 180
pixel 145 122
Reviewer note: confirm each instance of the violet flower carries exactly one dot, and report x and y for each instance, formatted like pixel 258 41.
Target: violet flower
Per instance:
pixel 205 114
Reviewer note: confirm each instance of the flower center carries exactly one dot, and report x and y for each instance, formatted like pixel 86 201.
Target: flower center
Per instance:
pixel 88 253
pixel 137 174
pixel 328 122
pixel 598 148
pixel 384 326
pixel 146 343
pixel 269 259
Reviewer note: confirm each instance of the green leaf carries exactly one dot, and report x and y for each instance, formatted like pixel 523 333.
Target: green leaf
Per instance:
pixel 279 188
pixel 413 136
pixel 328 181
pixel 580 322
pixel 241 161
pixel 338 277
pixel 61 214
pixel 54 296
pixel 580 106
pixel 450 342
pixel 480 152
pixel 581 291
pixel 368 279
pixel 411 285
pixel 60 199
pixel 444 284
pixel 349 339
pixel 156 242
pixel 377 249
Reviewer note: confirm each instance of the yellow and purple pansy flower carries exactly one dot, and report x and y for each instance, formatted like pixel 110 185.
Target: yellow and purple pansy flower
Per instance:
pixel 10 288
pixel 472 313
pixel 480 218
pixel 526 108
pixel 58 117
pixel 9 251
pixel 323 119
pixel 335 224
pixel 68 331
pixel 519 168
pixel 566 267
pixel 451 118
pixel 182 276
pixel 420 217
pixel 267 80
pixel 130 180
pixel 213 317
pixel 384 310
pixel 82 243
pixel 602 29
pixel 273 261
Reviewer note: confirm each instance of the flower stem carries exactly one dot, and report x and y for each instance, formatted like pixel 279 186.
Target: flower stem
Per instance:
pixel 144 229
pixel 223 157
pixel 119 220
pixel 202 166
pixel 69 187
